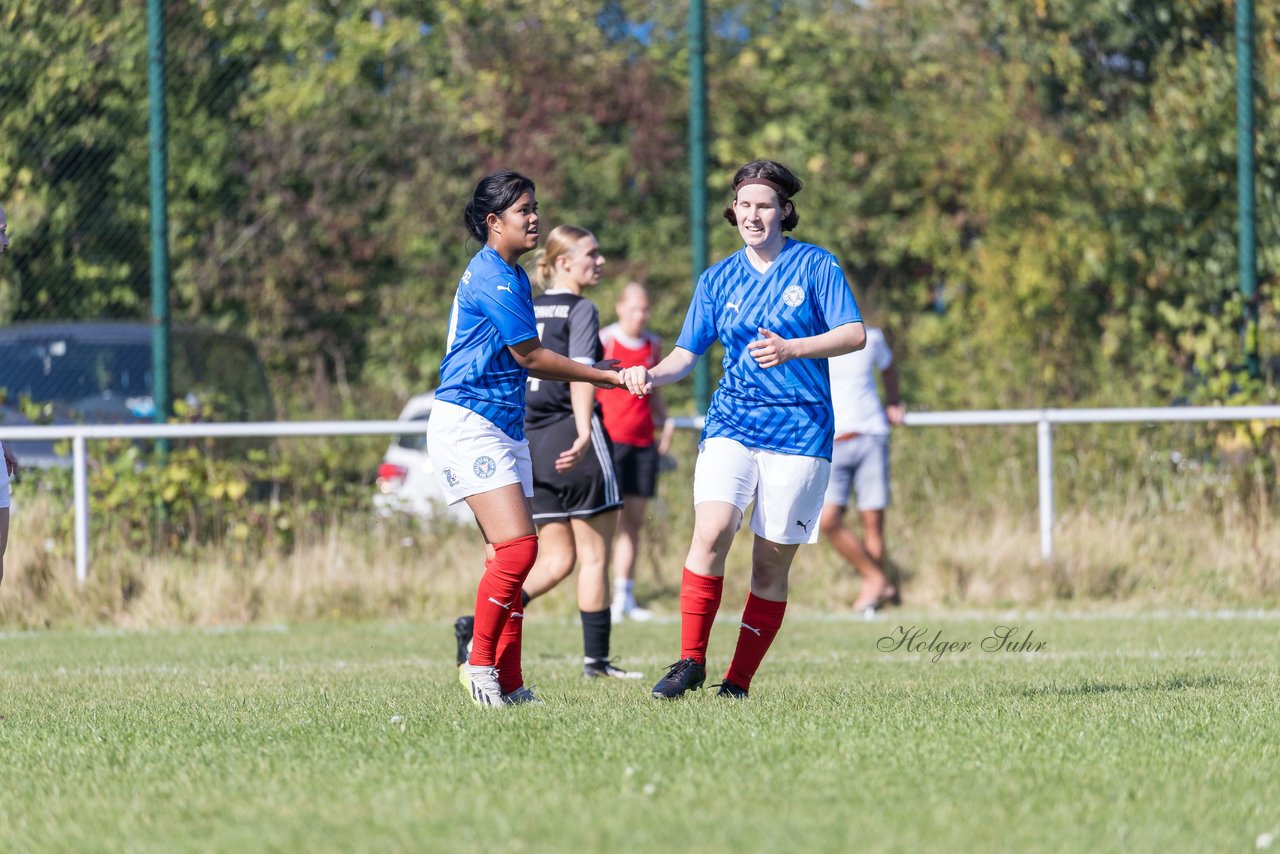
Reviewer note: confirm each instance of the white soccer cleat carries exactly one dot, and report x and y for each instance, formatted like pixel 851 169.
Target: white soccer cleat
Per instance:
pixel 482 683
pixel 639 615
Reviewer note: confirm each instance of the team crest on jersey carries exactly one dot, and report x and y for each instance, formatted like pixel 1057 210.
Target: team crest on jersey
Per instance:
pixel 484 467
pixel 793 296
pixel 449 477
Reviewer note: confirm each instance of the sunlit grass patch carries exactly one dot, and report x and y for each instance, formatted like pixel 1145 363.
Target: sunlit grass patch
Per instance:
pixel 1154 732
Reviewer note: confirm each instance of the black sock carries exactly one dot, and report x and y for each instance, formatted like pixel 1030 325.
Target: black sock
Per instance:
pixel 525 598
pixel 596 626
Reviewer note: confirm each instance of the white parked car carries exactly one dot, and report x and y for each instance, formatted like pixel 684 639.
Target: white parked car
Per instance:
pixel 406 480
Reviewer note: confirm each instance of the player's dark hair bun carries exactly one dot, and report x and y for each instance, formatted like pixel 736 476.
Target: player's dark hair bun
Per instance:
pixel 494 194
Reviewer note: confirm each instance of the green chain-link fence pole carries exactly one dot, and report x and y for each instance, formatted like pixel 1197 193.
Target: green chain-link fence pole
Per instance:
pixel 698 172
pixel 159 130
pixel 1245 179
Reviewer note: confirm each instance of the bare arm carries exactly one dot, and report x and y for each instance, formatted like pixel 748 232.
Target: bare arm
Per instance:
pixel 583 398
pixel 894 408
pixel 549 365
pixel 675 367
pixel 771 350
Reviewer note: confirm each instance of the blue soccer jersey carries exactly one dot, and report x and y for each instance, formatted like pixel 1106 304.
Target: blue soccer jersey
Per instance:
pixel 785 408
pixel 492 309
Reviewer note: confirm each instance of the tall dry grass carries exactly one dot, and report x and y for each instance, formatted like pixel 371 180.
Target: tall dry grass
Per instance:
pixel 1140 524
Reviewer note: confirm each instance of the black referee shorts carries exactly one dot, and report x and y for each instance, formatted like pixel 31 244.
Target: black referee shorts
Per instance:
pixel 586 490
pixel 637 469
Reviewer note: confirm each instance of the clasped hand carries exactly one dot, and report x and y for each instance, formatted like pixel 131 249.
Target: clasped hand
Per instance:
pixel 619 378
pixel 636 380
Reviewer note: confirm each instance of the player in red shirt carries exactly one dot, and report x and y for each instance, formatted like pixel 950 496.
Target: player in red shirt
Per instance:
pixel 630 422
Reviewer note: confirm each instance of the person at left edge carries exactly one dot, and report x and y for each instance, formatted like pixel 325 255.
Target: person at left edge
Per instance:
pixel 476 432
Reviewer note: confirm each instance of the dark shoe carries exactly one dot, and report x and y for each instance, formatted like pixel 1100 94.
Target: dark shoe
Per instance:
pixel 599 668
pixel 733 692
pixel 685 675
pixel 890 596
pixel 463 629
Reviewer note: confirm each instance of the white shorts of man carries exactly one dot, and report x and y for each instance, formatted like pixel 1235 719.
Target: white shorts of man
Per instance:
pixel 860 465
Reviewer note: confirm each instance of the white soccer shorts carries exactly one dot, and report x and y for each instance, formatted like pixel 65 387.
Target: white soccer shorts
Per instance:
pixel 471 455
pixel 786 488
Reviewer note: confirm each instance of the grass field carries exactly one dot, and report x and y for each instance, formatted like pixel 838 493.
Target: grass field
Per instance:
pixel 1151 733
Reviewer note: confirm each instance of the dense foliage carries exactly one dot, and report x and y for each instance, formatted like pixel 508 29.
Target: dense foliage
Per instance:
pixel 1037 198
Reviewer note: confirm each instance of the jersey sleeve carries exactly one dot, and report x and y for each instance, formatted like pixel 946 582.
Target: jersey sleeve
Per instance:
pixel 699 329
pixel 834 294
pixel 584 332
pixel 607 335
pixel 507 303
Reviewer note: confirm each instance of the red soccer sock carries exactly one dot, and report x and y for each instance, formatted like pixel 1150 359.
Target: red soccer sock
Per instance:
pixel 761 620
pixel 699 602
pixel 510 676
pixel 499 594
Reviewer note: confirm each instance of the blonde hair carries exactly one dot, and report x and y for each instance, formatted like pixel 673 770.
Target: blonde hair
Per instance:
pixel 633 287
pixel 560 242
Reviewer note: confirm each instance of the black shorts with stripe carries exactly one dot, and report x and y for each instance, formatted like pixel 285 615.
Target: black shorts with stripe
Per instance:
pixel 586 490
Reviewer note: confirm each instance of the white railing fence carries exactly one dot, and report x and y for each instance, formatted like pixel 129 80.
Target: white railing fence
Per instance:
pixel 1043 419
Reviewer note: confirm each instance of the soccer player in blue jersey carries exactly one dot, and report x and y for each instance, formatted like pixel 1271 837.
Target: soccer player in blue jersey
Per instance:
pixel 781 308
pixel 576 495
pixel 476 433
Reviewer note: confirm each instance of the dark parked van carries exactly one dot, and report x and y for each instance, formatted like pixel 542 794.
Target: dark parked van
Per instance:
pixel 100 373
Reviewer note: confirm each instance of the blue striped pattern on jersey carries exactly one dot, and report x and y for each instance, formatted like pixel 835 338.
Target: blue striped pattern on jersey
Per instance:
pixel 492 309
pixel 804 293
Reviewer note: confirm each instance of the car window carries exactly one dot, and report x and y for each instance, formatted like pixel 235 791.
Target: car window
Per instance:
pixel 414 441
pixel 106 381
pixel 111 381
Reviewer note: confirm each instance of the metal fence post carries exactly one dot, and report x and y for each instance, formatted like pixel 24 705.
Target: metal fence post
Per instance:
pixel 1044 469
pixel 80 482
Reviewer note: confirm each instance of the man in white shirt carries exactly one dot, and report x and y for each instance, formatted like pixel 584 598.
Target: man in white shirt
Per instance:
pixel 860 463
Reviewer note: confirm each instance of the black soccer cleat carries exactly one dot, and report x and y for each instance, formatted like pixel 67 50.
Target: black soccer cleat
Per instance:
pixel 603 668
pixel 463 629
pixel 685 675
pixel 733 692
